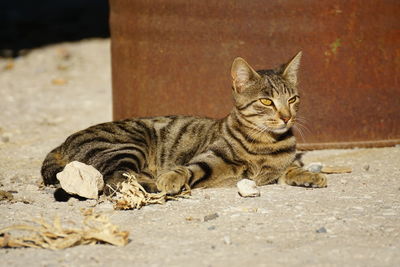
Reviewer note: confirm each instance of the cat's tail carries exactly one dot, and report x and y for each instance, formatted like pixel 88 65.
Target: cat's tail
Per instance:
pixel 54 162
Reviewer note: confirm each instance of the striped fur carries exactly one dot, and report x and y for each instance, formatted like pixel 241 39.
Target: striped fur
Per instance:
pixel 254 141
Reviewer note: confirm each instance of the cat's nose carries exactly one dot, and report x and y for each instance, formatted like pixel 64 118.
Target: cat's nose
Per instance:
pixel 285 119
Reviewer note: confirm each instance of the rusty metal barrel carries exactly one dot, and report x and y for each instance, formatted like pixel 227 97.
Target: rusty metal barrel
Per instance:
pixel 174 57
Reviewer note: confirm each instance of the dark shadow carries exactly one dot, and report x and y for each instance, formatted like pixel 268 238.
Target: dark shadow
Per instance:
pixel 62 196
pixel 25 24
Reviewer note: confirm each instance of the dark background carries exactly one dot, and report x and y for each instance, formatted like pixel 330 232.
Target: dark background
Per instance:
pixel 26 24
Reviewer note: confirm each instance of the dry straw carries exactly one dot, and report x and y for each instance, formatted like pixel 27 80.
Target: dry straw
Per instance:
pixel 96 229
pixel 131 195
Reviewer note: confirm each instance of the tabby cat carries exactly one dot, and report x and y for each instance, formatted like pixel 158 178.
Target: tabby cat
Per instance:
pixel 254 141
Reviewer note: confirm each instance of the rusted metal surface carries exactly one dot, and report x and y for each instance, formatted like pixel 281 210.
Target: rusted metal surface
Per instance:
pixel 174 57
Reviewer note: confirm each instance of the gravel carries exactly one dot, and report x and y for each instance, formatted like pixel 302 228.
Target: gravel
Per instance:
pixel 321 230
pixel 210 217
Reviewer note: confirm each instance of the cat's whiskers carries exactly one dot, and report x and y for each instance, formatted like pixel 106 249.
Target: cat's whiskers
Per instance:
pixel 301 119
pixel 300 127
pixel 257 133
pixel 303 126
pixel 300 131
pixel 254 134
pixel 265 129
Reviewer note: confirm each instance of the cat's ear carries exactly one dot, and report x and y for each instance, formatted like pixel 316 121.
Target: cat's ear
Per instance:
pixel 242 74
pixel 290 70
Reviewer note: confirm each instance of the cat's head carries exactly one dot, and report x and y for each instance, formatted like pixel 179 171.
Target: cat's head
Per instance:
pixel 267 99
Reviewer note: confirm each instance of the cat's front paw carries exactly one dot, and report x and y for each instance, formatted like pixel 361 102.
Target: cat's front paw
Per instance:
pixel 317 180
pixel 172 182
pixel 301 177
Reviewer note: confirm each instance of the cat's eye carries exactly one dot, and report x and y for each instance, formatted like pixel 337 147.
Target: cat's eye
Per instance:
pixel 292 100
pixel 266 101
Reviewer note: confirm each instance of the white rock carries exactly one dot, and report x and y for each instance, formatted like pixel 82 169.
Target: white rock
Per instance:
pixel 248 188
pixel 314 167
pixel 227 240
pixel 80 179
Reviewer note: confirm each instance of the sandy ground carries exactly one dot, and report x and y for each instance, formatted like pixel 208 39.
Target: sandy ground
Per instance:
pixel 54 91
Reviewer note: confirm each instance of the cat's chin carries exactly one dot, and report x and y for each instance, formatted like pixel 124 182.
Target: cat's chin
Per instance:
pixel 275 130
pixel 280 130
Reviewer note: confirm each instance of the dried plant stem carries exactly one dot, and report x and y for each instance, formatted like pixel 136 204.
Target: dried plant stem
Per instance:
pixel 131 195
pixel 97 229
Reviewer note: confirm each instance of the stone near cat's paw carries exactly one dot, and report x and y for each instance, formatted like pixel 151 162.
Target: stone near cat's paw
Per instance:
pixel 81 179
pixel 248 188
pixel 314 167
pixel 172 182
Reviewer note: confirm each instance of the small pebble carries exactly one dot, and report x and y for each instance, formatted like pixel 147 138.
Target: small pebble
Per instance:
pixel 262 211
pixel 192 219
pixel 5 195
pixel 5 137
pixel 247 188
pixel 59 81
pixel 321 230
pixel 314 167
pixel 210 217
pixel 366 167
pixel 91 202
pixel 212 227
pixel 227 240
